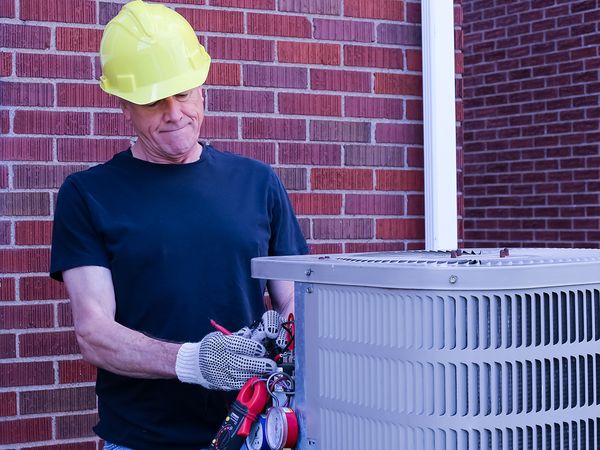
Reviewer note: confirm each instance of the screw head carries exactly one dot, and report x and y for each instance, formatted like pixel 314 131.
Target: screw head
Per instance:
pixel 308 272
pixel 453 279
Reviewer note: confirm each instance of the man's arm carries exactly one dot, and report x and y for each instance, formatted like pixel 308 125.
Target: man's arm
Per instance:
pixel 282 296
pixel 104 342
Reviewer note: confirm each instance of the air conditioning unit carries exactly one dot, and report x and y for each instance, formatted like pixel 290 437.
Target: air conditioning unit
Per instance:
pixel 484 349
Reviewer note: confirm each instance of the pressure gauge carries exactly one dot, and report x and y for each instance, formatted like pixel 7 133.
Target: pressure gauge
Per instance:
pixel 281 428
pixel 257 439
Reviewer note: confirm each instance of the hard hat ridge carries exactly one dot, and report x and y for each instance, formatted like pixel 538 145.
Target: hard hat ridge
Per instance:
pixel 149 52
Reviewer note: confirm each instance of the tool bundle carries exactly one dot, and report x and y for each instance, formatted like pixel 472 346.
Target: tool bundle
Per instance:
pixel 261 417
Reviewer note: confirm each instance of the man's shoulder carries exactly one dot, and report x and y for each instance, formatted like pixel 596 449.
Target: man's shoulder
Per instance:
pixel 233 159
pixel 99 171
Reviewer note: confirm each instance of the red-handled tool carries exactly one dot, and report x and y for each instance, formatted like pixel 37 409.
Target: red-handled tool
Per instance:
pixel 250 402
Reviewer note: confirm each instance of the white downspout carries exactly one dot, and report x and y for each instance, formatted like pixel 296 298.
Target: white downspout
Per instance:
pixel 439 118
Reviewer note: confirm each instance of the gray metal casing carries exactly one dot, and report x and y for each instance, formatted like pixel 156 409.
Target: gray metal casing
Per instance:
pixel 418 350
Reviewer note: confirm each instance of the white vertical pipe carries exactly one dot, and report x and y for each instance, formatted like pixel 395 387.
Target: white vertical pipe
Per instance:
pixel 439 117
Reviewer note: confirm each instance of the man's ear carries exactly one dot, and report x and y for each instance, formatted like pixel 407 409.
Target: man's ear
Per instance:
pixel 124 105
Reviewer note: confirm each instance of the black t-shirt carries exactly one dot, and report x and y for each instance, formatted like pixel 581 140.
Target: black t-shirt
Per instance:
pixel 178 239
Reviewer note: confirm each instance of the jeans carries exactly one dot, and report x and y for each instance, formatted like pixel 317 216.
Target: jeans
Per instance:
pixel 109 446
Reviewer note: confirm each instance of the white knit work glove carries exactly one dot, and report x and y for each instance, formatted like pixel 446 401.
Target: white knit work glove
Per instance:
pixel 222 362
pixel 269 328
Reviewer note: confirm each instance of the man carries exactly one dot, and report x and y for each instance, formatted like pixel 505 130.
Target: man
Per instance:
pixel 158 240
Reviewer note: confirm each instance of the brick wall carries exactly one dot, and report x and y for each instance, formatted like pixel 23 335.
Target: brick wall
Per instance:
pixel 327 91
pixel 531 126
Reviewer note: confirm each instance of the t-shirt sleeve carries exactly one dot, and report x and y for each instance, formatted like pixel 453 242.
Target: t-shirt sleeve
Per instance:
pixel 75 240
pixel 286 235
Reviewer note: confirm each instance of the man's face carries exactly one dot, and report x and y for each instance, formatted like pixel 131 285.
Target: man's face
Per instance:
pixel 167 130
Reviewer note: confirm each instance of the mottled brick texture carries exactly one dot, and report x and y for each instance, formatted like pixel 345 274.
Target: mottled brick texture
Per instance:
pixel 326 91
pixel 531 123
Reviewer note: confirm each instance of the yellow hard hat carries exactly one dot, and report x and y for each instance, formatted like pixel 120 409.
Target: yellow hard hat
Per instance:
pixel 149 52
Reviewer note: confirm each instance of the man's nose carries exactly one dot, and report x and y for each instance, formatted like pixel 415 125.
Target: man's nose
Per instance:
pixel 172 109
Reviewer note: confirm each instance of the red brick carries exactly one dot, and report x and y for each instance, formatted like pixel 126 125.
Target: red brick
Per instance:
pixel 57 400
pixel 26 316
pixel 203 20
pixel 416 205
pixel 24 203
pixel 8 347
pixel 293 178
pixel 69 11
pixel 112 124
pixel 374 204
pixel 5 64
pixel 343 228
pixel 278 25
pixel 8 404
pixel 360 247
pixel 26 94
pixel 325 249
pixel 399 133
pixel 78 39
pixel 400 229
pixel 340 80
pixel 386 108
pixel 308 53
pixel 344 30
pixel 26 430
pixel 330 7
pixel 48 344
pixel 316 204
pixel 38 65
pixel 75 371
pixel 312 105
pixel 5 231
pixel 335 131
pixel 24 36
pixel 399 84
pixel 370 56
pixel 240 101
pixel 374 155
pixel 275 76
pixel 75 426
pixel 89 445
pixel 414 60
pixel 4 122
pixel 399 180
pixel 7 289
pixel 7 8
pixel 65 315
pixel 413 12
pixel 263 151
pixel 241 49
pixel 223 74
pixel 219 127
pixel 375 9
pixel 41 288
pixel 37 177
pixel 245 4
pixel 84 95
pixel 345 179
pixel 89 150
pixel 24 260
pixel 25 149
pixel 268 128
pixel 401 34
pixel 26 373
pixel 51 122
pixel 29 232
pixel 310 154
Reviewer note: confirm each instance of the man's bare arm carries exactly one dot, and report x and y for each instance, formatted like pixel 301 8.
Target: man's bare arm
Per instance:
pixel 282 296
pixel 104 342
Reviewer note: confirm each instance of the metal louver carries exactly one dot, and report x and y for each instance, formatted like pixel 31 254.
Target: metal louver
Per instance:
pixel 416 350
